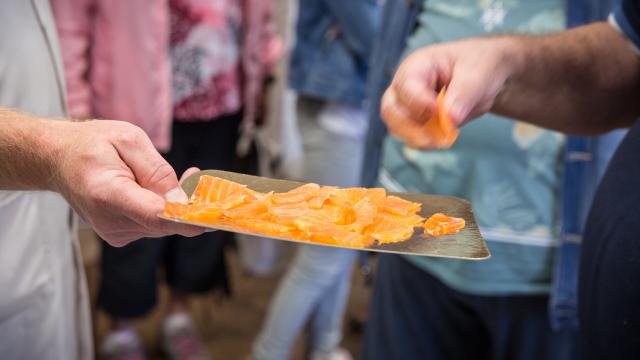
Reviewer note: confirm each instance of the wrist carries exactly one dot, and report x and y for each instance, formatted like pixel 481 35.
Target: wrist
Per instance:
pixel 51 148
pixel 513 53
pixel 513 56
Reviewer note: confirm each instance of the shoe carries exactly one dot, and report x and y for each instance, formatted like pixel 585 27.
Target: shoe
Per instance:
pixel 122 345
pixel 337 354
pixel 180 340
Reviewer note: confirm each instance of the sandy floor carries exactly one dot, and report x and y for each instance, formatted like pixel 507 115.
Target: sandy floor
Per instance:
pixel 228 326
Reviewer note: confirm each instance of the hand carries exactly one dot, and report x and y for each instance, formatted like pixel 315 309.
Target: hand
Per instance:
pixel 474 72
pixel 111 174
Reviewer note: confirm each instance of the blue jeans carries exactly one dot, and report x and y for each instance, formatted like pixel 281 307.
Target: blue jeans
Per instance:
pixel 317 284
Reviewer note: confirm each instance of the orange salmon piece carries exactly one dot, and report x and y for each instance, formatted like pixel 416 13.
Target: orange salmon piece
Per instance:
pixel 397 206
pixel 347 197
pixel 312 221
pixel 440 224
pixel 176 210
pixel 301 193
pixel 365 214
pixel 252 210
pixel 206 214
pixel 319 230
pixel 319 200
pixel 352 217
pixel 386 230
pixel 337 236
pixel 338 215
pixel 376 194
pixel 233 201
pixel 440 126
pixel 287 213
pixel 414 220
pixel 265 227
pixel 213 189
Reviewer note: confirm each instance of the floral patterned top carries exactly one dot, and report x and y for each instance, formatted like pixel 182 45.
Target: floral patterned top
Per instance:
pixel 509 171
pixel 220 51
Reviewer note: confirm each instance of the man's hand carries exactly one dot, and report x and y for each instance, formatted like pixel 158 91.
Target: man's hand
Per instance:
pixel 110 173
pixel 583 81
pixel 474 72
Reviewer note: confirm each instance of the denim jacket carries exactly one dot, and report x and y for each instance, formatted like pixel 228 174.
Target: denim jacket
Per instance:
pixel 333 46
pixel 585 161
pixel 585 158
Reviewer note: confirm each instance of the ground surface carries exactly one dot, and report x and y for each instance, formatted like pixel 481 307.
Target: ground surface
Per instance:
pixel 228 326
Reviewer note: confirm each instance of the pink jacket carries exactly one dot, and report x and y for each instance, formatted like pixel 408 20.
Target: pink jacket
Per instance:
pixel 115 55
pixel 261 49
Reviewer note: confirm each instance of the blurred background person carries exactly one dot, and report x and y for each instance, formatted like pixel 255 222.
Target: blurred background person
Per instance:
pixel 512 174
pixel 328 71
pixel 116 64
pixel 117 56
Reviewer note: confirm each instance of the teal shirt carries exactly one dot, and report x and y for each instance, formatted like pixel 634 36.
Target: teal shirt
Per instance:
pixel 509 171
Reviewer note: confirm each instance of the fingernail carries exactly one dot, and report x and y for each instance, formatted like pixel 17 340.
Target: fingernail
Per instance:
pixel 176 195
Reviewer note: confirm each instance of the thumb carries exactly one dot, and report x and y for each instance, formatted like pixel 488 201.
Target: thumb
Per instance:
pixel 177 194
pixel 470 93
pixel 460 99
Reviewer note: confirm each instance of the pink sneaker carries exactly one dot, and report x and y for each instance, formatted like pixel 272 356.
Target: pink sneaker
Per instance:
pixel 122 345
pixel 180 340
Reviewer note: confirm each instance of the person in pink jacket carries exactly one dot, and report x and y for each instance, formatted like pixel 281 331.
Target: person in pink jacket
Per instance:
pixel 116 56
pixel 116 63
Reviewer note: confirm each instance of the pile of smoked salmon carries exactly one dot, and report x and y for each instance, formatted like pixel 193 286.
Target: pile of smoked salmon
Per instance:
pixel 352 217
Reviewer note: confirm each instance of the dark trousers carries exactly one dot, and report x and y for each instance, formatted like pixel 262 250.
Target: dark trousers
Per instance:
pixel 191 265
pixel 415 316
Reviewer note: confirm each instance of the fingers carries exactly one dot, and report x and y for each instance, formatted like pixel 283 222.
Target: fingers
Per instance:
pixel 410 101
pixel 177 194
pixel 402 125
pixel 415 94
pixel 141 207
pixel 150 169
pixel 466 94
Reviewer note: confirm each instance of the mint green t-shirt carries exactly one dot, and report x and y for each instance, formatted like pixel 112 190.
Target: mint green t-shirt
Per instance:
pixel 509 171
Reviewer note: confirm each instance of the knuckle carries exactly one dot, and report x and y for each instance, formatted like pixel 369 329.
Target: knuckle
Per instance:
pixel 162 173
pixel 129 135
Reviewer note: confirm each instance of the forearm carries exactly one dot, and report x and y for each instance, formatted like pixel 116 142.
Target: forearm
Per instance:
pixel 583 81
pixel 27 155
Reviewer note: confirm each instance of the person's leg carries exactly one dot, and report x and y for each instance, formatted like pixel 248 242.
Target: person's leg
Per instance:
pixel 414 316
pixel 332 157
pixel 128 291
pixel 197 265
pixel 326 325
pixel 520 329
pixel 314 271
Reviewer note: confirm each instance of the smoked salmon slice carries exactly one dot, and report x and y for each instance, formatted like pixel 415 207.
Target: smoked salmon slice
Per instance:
pixel 396 206
pixel 440 224
pixel 385 230
pixel 440 126
pixel 213 190
pixel 298 194
pixel 351 217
